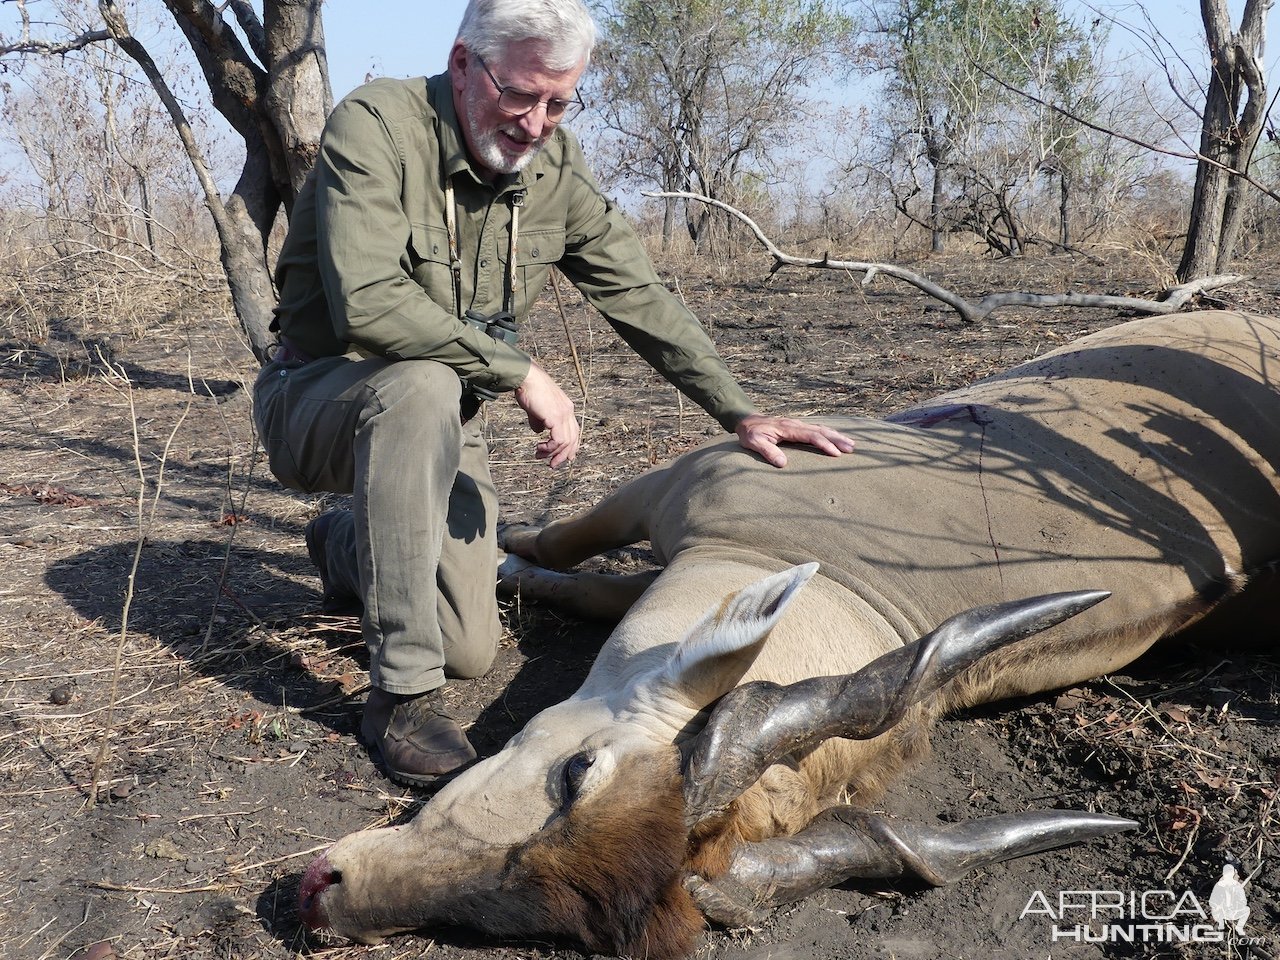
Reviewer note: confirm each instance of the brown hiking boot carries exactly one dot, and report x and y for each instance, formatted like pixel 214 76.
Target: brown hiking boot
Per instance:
pixel 338 602
pixel 418 743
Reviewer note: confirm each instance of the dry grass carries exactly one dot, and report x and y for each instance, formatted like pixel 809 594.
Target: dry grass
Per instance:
pixel 232 750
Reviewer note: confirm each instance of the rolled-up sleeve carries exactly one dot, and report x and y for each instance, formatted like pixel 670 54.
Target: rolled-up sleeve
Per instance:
pixel 365 257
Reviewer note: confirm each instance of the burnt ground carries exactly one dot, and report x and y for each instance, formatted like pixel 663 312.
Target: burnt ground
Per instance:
pixel 217 716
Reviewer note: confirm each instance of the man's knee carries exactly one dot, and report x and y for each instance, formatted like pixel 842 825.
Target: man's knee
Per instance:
pixel 472 658
pixel 427 391
pixel 411 430
pixel 469 625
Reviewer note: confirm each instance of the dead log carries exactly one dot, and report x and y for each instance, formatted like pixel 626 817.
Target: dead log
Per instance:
pixel 1170 300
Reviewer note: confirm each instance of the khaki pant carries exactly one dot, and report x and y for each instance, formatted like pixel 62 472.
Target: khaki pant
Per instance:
pixel 419 545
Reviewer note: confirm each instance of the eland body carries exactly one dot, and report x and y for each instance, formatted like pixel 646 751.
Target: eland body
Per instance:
pixel 769 680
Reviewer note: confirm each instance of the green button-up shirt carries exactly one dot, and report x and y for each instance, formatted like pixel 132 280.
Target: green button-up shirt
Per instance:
pixel 366 262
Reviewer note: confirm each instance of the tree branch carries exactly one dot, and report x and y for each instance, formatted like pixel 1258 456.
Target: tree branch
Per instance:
pixel 1107 131
pixel 1170 301
pixel 28 45
pixel 235 81
pixel 119 30
pixel 247 17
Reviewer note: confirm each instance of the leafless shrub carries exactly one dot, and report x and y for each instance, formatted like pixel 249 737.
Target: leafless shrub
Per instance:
pixel 51 290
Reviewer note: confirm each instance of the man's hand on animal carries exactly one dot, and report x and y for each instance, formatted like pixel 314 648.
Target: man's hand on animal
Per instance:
pixel 549 409
pixel 762 434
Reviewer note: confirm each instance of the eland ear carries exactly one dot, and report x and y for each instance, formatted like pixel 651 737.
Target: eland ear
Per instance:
pixel 716 653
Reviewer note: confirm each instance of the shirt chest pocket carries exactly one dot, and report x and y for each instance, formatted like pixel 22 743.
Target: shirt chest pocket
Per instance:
pixel 429 262
pixel 537 251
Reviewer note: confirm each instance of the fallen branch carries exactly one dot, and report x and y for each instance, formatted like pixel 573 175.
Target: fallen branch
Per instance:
pixel 1169 301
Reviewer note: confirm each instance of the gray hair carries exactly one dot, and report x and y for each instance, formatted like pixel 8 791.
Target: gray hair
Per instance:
pixel 565 26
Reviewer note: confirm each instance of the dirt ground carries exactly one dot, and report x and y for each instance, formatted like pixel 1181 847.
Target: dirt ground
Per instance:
pixel 221 722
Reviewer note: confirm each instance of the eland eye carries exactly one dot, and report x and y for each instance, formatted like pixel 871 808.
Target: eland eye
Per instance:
pixel 575 769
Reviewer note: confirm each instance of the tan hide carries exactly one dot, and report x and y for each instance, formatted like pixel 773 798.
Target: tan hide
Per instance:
pixel 1141 460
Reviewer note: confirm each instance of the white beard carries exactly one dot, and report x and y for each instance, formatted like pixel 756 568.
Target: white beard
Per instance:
pixel 489 152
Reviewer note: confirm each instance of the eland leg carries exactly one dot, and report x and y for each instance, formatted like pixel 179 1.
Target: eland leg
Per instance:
pixel 619 520
pixel 845 843
pixel 585 594
pixel 535 554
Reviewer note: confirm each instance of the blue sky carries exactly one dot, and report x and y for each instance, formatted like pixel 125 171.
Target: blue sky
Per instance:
pixel 402 38
pixel 388 38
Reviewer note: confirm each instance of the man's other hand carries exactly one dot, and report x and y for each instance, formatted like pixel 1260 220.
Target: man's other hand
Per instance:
pixel 549 409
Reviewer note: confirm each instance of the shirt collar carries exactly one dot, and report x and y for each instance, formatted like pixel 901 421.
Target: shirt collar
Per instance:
pixel 454 158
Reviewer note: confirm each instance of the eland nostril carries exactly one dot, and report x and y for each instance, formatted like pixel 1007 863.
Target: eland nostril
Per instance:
pixel 320 876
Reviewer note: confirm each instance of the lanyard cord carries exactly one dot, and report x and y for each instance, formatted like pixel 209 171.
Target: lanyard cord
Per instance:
pixel 517 201
pixel 455 259
pixel 455 262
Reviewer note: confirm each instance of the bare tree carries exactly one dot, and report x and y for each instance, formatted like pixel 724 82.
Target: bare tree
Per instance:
pixel 272 87
pixel 106 173
pixel 698 94
pixel 1231 111
pixel 955 133
pixel 1234 112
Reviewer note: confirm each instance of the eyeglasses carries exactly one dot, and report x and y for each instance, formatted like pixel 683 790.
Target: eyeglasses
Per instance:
pixel 519 102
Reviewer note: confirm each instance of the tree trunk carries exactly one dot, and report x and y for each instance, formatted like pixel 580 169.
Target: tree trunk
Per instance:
pixel 1228 135
pixel 670 184
pixel 280 114
pixel 243 228
pixel 936 151
pixel 57 208
pixel 298 96
pixel 144 200
pixel 1064 211
pixel 935 210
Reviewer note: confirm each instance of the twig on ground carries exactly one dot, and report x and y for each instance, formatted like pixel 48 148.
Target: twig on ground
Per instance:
pixel 245 868
pixel 577 366
pixel 235 524
pixel 130 888
pixel 1186 852
pixel 568 335
pixel 145 521
pixel 45 791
